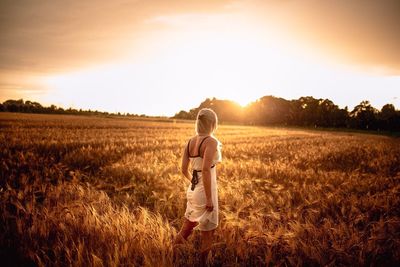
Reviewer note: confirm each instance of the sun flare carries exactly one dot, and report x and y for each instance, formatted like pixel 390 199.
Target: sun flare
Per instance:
pixel 194 57
pixel 209 62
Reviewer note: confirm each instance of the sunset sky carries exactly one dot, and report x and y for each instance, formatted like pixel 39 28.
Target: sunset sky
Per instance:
pixel 158 57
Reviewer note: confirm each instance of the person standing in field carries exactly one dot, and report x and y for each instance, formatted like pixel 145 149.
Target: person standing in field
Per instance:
pixel 202 152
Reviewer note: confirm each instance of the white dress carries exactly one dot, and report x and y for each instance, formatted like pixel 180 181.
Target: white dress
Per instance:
pixel 196 199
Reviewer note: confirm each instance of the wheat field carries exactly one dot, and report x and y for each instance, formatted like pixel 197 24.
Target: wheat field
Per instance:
pixel 89 191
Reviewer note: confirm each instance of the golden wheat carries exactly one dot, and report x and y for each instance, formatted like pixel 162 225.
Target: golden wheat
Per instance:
pixel 88 191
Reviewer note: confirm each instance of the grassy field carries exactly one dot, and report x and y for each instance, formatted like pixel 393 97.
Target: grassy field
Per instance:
pixel 87 191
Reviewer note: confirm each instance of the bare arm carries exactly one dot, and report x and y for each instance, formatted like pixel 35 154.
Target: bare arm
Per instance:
pixel 185 165
pixel 209 152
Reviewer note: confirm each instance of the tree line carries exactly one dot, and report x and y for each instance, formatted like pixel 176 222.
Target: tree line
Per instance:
pixel 35 107
pixel 268 110
pixel 305 111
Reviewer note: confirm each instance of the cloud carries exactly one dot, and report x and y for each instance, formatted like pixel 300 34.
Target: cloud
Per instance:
pixel 51 36
pixel 363 33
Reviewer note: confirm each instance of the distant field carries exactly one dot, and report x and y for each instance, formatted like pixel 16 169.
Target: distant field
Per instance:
pixel 87 191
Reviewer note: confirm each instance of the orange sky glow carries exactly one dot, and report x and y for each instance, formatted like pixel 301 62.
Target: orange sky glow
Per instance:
pixel 159 57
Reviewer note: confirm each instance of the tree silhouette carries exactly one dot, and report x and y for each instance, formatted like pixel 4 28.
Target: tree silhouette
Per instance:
pixel 305 111
pixel 268 110
pixel 364 116
pixel 389 118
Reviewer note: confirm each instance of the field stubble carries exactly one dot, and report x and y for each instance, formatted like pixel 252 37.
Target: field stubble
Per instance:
pixel 81 191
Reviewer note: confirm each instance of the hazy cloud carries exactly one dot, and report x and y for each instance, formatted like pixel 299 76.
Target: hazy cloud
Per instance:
pixel 48 36
pixel 365 33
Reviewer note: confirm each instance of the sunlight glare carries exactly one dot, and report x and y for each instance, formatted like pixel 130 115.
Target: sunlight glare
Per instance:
pixel 235 61
pixel 194 66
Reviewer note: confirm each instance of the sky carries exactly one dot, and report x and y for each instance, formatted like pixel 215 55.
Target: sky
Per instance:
pixel 159 57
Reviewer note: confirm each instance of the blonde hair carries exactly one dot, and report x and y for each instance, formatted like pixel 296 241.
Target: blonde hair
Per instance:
pixel 206 121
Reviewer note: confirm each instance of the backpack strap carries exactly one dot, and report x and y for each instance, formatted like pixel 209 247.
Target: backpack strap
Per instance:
pixel 198 153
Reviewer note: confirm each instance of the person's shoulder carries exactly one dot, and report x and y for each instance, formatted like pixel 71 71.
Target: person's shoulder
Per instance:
pixel 212 141
pixel 192 138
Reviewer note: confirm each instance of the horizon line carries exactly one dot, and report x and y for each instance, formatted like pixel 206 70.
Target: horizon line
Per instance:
pixel 210 98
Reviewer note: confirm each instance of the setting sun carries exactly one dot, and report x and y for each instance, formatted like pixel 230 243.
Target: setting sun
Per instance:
pixel 200 65
pixel 196 57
